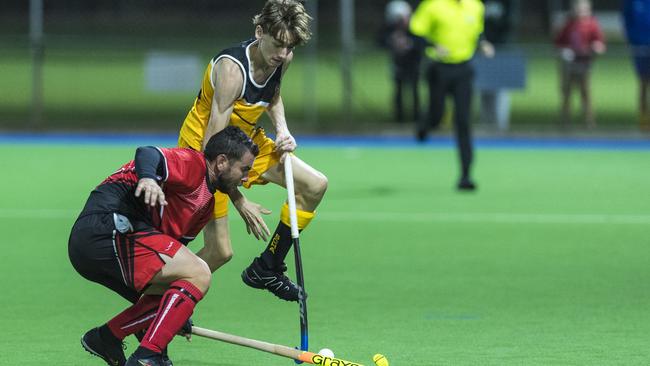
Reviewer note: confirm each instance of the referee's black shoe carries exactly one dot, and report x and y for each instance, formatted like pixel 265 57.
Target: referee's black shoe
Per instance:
pixel 109 350
pixel 421 135
pixel 260 277
pixel 466 184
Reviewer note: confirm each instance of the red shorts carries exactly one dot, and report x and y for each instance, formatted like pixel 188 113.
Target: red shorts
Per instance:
pixel 125 263
pixel 138 255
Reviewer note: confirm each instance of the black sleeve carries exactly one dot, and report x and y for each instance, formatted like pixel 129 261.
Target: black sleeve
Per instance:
pixel 149 163
pixel 420 43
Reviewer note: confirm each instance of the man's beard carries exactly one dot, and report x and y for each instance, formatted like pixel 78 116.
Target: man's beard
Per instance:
pixel 223 185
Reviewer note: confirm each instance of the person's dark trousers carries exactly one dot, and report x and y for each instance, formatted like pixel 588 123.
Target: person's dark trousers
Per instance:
pixel 399 99
pixel 415 87
pixel 407 83
pixel 454 79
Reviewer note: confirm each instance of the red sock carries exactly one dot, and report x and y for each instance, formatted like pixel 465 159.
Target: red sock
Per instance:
pixel 175 308
pixel 135 318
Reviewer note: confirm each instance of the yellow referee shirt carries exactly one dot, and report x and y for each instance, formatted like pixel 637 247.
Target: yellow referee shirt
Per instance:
pixel 453 24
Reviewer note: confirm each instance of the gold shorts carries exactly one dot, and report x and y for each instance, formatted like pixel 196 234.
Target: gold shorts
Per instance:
pixel 265 160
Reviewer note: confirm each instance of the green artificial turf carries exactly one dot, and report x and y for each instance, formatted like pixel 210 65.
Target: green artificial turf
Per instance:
pixel 546 264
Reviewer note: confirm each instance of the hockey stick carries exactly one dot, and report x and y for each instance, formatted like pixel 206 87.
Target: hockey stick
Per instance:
pixel 276 349
pixel 295 238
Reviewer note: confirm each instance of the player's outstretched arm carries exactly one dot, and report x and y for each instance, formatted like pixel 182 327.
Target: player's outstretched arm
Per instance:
pixel 228 85
pixel 251 213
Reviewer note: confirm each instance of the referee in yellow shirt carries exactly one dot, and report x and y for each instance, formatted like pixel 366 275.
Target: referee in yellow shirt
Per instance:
pixel 454 29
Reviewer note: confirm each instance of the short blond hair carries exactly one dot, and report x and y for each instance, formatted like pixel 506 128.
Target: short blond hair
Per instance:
pixel 285 20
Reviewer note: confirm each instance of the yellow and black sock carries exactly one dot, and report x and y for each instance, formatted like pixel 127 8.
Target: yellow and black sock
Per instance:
pixel 278 247
pixel 275 253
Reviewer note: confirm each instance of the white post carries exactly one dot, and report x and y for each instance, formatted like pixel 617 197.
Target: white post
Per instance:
pixel 311 68
pixel 347 43
pixel 37 48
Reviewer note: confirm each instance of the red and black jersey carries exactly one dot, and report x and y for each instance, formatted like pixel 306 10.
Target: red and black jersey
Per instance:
pixel 182 174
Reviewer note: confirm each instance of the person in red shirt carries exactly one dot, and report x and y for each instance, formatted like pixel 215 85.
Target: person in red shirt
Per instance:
pixel 579 40
pixel 131 237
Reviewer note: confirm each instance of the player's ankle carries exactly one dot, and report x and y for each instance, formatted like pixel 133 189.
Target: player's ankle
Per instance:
pixel 144 352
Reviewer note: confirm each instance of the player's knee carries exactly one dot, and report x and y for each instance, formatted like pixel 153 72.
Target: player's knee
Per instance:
pixel 315 189
pixel 321 185
pixel 201 275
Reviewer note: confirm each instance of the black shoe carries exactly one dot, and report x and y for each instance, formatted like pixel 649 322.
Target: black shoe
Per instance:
pixel 187 328
pixel 156 360
pixel 466 184
pixel 421 135
pixel 111 351
pixel 165 359
pixel 257 276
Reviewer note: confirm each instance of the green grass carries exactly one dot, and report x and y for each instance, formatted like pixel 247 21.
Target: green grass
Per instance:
pixel 101 85
pixel 547 264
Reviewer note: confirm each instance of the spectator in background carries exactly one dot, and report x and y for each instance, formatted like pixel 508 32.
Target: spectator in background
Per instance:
pixel 406 53
pixel 498 21
pixel 578 41
pixel 454 29
pixel 495 104
pixel 636 14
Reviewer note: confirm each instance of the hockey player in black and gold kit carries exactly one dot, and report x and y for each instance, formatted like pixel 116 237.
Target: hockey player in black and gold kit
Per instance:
pixel 240 84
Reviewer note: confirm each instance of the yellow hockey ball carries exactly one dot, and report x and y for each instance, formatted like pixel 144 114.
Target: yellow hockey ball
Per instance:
pixel 380 360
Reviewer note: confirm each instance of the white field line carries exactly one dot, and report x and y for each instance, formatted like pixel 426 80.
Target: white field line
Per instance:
pixel 488 217
pixel 415 217
pixel 37 213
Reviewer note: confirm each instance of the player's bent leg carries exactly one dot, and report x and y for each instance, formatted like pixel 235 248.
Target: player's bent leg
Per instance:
pixel 309 183
pixel 217 249
pixel 189 278
pixel 106 341
pixel 310 186
pixel 184 266
pixel 267 271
